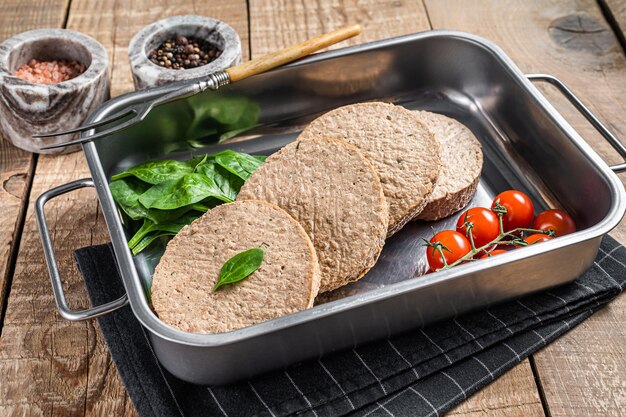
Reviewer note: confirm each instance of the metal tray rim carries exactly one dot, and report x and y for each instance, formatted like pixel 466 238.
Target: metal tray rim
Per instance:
pixel 149 320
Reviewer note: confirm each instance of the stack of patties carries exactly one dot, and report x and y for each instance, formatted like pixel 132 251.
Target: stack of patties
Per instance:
pixel 429 164
pixel 322 208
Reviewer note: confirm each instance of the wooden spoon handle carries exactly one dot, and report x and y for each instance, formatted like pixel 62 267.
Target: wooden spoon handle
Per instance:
pixel 291 53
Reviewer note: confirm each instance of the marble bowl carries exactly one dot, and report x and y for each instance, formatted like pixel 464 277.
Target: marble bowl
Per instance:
pixel 27 108
pixel 148 74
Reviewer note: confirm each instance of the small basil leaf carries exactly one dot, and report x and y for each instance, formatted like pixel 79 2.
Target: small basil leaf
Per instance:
pixel 240 267
pixel 240 164
pixel 167 216
pixel 156 172
pixel 206 204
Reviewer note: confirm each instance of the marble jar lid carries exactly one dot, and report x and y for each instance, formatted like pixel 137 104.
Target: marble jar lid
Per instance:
pixel 147 74
pixel 28 108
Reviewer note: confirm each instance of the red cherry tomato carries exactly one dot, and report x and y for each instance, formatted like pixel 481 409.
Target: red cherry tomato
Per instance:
pixel 486 226
pixel 519 209
pixel 493 253
pixel 557 220
pixel 536 238
pixel 457 244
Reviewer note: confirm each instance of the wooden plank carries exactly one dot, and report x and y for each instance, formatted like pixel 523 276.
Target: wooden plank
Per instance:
pixel 504 397
pixel 16 169
pixel 16 166
pixel 584 372
pixel 21 15
pixel 276 24
pixel 617 10
pixel 36 344
pixel 54 367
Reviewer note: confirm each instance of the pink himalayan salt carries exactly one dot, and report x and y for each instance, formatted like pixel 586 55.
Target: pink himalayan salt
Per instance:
pixel 49 72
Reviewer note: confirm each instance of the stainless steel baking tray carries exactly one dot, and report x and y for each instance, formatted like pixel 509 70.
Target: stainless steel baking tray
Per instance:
pixel 527 146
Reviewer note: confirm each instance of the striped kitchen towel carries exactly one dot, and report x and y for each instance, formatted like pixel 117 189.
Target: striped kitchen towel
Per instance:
pixel 425 372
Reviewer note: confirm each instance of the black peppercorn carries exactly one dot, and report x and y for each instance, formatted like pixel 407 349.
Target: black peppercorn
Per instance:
pixel 181 52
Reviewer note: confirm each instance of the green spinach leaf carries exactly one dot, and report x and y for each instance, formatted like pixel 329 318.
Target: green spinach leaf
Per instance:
pixel 160 197
pixel 126 195
pixel 156 172
pixel 247 120
pixel 223 110
pixel 172 227
pixel 240 267
pixel 146 241
pixel 190 189
pixel 225 116
pixel 201 207
pixel 240 164
pixel 198 161
pixel 228 184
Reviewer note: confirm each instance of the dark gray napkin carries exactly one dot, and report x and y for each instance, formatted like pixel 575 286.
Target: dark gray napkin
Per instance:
pixel 422 373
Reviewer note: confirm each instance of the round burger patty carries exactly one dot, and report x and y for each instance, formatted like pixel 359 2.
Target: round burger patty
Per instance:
pixel 287 280
pixel 461 165
pixel 402 149
pixel 334 192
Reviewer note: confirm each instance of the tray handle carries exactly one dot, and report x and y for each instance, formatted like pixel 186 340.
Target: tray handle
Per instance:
pixel 595 122
pixel 57 285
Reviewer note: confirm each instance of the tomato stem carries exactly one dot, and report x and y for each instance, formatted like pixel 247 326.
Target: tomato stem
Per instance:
pixel 471 239
pixel 515 241
pixel 443 258
pixel 544 232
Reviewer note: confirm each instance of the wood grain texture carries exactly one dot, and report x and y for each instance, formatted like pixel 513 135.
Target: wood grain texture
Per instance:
pixel 51 366
pixel 618 10
pixel 36 344
pixel 584 372
pixel 275 24
pixel 504 397
pixel 16 165
pixel 21 15
pixel 291 53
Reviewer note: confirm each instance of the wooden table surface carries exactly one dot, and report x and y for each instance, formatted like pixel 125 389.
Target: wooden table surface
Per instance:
pixel 49 366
